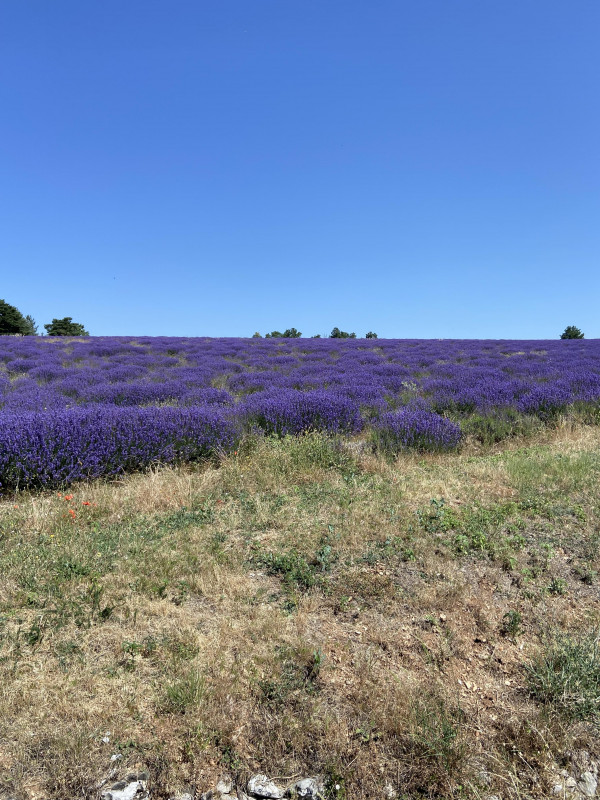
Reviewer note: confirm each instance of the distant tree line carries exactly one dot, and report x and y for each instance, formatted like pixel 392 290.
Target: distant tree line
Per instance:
pixel 14 323
pixel 289 333
pixel 293 333
pixel 570 332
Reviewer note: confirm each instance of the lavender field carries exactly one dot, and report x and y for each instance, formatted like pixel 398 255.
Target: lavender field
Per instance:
pixel 76 409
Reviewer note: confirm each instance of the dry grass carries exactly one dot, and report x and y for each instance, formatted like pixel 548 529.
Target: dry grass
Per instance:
pixel 299 610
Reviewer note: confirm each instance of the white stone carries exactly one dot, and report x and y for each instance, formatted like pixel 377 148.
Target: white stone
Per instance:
pixel 587 785
pixel 389 792
pixel 125 791
pixel 309 787
pixel 225 785
pixel 261 786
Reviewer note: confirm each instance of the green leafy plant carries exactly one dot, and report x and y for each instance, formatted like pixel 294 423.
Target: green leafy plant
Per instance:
pixel 293 568
pixel 565 676
pixel 183 693
pixel 438 517
pixel 511 624
pixel 558 586
pixel 436 745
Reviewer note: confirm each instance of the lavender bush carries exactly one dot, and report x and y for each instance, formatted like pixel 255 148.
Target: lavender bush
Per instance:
pixel 415 429
pixel 291 412
pixel 54 448
pixel 280 385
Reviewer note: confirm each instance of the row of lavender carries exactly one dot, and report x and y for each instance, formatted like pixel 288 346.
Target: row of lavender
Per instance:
pixel 71 409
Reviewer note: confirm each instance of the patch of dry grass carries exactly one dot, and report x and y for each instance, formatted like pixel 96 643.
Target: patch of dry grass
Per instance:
pixel 300 609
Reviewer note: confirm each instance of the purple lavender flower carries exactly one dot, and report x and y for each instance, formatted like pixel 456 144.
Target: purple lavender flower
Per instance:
pixel 415 429
pixel 138 392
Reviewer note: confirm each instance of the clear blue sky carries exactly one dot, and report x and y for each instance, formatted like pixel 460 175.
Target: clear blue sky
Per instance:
pixel 422 168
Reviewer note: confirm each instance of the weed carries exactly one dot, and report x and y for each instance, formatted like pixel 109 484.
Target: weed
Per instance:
pixel 293 568
pixel 131 650
pixel 296 571
pixel 558 586
pixel 367 733
pixel 490 429
pixel 438 517
pixel 312 668
pixel 435 745
pixel 325 557
pixel 586 574
pixel 67 651
pixel 565 677
pixel 184 693
pixel 390 548
pixel 186 517
pixel 511 624
pixel 335 782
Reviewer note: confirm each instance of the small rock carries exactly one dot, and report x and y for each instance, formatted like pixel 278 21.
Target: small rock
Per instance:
pixel 134 786
pixel 587 784
pixel 309 787
pixel 261 786
pixel 225 785
pixel 570 782
pixel 558 788
pixel 182 796
pixel 389 792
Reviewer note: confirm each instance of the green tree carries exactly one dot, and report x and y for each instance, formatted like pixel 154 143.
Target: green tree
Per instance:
pixel 32 328
pixel 336 333
pixel 12 321
pixel 65 327
pixel 256 335
pixel 289 333
pixel 371 335
pixel 571 332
